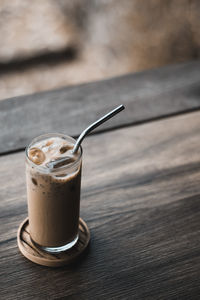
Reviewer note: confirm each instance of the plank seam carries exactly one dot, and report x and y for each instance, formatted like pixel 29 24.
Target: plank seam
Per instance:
pixel 135 123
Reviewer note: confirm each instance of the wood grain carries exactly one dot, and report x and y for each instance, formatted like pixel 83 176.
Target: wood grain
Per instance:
pixel 37 255
pixel 146 95
pixel 140 199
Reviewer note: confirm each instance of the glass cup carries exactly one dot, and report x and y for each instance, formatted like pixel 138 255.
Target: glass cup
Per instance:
pixel 54 200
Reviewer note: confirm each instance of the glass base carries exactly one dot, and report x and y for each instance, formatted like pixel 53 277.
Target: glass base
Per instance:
pixel 62 248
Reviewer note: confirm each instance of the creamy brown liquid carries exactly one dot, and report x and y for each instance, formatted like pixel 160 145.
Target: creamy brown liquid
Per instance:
pixel 53 197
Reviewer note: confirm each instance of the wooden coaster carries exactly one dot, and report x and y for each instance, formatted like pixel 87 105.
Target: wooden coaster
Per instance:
pixel 41 257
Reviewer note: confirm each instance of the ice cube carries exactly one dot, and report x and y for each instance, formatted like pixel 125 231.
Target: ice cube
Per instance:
pixel 36 155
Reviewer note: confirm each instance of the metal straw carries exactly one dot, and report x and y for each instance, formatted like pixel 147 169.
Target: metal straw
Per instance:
pixel 94 125
pixel 60 161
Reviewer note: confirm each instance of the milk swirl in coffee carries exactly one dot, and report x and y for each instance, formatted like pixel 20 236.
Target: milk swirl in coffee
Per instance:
pixel 53 191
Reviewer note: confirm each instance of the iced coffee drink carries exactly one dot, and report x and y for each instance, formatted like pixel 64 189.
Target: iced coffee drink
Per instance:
pixel 53 188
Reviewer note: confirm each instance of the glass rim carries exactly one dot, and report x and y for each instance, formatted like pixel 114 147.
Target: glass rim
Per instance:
pixel 61 168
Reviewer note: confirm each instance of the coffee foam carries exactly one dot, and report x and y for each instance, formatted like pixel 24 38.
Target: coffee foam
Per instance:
pixel 45 152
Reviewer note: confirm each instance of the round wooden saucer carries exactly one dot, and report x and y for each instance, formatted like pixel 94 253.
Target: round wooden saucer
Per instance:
pixel 41 257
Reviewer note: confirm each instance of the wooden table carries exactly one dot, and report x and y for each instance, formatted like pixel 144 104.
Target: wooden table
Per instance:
pixel 140 187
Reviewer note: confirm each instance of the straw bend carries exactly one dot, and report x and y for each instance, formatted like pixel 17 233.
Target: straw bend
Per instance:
pixel 96 124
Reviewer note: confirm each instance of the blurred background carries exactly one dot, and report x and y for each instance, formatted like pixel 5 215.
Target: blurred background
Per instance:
pixel 47 44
